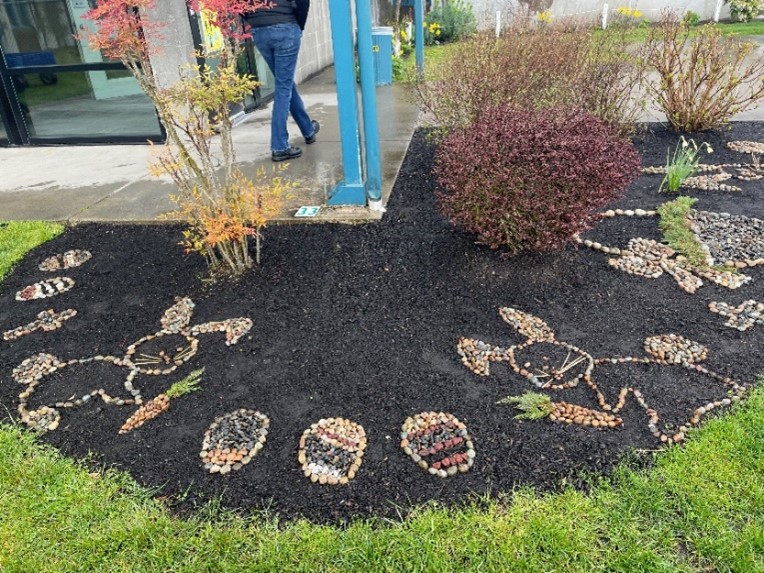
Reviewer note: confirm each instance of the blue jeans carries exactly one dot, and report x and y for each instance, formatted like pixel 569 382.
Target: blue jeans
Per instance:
pixel 279 45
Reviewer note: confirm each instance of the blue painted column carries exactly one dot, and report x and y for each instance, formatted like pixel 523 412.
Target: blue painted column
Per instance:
pixel 350 191
pixel 419 27
pixel 369 104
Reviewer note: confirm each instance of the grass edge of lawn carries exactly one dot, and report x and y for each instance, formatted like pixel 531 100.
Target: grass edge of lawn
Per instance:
pixel 701 505
pixel 19 237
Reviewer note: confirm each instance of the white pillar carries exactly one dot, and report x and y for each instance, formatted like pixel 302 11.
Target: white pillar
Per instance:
pixel 172 46
pixel 604 16
pixel 718 9
pixel 498 23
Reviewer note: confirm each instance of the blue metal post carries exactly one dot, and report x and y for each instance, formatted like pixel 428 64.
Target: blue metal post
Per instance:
pixel 369 103
pixel 419 27
pixel 350 191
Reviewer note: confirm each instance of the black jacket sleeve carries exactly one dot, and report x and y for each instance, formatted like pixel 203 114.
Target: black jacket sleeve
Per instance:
pixel 301 12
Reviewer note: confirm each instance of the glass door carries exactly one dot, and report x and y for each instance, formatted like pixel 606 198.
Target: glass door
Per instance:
pixel 250 62
pixel 55 89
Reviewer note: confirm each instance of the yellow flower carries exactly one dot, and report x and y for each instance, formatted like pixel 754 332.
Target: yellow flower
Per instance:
pixel 544 17
pixel 628 12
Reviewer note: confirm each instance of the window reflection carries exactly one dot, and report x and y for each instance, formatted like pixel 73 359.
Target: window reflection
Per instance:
pixel 84 104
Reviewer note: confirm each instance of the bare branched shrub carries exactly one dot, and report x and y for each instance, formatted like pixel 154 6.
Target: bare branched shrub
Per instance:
pixel 561 66
pixel 703 80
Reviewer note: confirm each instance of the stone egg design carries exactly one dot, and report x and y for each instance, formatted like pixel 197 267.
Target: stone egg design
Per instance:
pixel 439 443
pixel 45 289
pixel 233 439
pixel 67 260
pixel 331 451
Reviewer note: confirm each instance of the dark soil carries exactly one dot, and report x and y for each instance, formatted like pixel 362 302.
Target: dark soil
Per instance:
pixel 362 322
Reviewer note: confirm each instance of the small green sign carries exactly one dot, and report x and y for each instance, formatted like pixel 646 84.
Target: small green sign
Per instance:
pixel 307 211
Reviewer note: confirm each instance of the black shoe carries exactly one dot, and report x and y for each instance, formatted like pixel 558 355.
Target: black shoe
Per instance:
pixel 316 129
pixel 288 153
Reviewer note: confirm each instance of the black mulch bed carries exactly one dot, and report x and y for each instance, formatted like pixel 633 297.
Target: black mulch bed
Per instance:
pixel 362 322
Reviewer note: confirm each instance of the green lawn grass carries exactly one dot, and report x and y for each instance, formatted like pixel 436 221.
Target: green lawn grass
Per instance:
pixel 700 508
pixel 433 56
pixel 756 28
pixel 18 237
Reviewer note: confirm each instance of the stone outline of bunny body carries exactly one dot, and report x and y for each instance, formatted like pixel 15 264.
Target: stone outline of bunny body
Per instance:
pixel 175 320
pixel 667 349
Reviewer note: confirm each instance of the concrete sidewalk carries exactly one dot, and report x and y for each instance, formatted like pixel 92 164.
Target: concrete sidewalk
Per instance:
pixel 113 184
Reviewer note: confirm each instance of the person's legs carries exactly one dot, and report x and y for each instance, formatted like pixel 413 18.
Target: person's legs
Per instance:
pixel 277 46
pixel 301 117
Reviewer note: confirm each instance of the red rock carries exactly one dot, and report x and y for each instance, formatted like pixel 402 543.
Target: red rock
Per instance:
pixel 436 465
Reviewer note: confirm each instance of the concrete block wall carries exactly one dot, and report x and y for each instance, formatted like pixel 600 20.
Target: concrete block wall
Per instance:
pixel 316 49
pixel 173 50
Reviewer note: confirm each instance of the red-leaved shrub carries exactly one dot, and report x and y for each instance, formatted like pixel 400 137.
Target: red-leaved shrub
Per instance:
pixel 529 180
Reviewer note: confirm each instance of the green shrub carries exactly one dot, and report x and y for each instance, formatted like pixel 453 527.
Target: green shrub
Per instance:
pixel 449 21
pixel 530 180
pixel 399 69
pixel 704 79
pixel 691 18
pixel 744 10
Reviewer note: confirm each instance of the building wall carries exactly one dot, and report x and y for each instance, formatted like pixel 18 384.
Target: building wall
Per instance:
pixel 486 10
pixel 176 49
pixel 316 50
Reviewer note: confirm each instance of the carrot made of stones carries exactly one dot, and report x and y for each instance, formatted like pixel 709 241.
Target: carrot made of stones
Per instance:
pixel 536 406
pixel 161 403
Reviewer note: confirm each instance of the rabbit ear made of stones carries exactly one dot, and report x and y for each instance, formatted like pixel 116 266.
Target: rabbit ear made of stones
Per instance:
pixel 234 328
pixel 529 326
pixel 178 316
